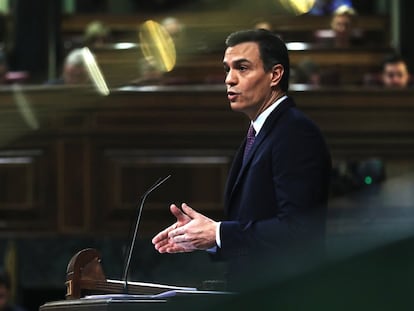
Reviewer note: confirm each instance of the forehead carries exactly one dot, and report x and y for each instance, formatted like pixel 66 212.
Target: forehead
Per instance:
pixel 400 66
pixel 242 51
pixel 342 18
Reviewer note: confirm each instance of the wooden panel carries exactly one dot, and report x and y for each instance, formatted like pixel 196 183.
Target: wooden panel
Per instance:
pixel 24 200
pixel 16 183
pixel 73 185
pixel 197 178
pixel 95 155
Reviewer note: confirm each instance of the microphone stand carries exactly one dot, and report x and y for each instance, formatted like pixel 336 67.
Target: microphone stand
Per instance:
pixel 158 183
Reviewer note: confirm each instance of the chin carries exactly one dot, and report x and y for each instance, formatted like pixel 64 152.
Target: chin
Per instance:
pixel 236 106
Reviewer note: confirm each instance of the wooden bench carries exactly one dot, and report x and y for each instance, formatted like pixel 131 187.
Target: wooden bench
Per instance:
pixel 121 66
pixel 218 24
pixel 199 60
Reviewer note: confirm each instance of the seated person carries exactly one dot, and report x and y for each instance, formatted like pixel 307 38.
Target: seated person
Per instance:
pixel 173 26
pixel 327 7
pixel 342 32
pixel 96 35
pixel 176 30
pixel 395 73
pixel 74 71
pixel 306 72
pixel 262 24
pixel 310 73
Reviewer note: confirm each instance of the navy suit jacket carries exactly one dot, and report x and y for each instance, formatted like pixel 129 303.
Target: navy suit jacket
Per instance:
pixel 276 201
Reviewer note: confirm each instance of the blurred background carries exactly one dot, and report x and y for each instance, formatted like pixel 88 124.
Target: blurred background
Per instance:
pixel 79 146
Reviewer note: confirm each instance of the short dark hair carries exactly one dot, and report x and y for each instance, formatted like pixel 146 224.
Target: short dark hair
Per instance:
pixel 392 59
pixel 272 50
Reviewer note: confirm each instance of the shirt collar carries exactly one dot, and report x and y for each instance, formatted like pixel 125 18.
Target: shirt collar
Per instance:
pixel 260 120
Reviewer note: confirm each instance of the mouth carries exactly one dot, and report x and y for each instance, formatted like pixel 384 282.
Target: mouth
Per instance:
pixel 232 96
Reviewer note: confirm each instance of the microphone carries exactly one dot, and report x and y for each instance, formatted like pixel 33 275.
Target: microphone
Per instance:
pixel 158 183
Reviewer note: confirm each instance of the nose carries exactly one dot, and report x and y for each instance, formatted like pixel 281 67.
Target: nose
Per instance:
pixel 230 78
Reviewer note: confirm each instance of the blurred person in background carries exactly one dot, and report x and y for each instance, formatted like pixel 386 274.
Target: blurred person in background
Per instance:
pixel 306 72
pixel 96 35
pixel 327 7
pixel 74 70
pixel 262 24
pixel 395 73
pixel 149 73
pixel 174 28
pixel 342 32
pixel 342 24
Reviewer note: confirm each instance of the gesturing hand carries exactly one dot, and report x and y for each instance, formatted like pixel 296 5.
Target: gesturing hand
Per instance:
pixel 192 231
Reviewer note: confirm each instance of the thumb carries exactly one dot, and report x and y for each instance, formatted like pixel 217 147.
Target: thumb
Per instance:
pixel 189 211
pixel 178 213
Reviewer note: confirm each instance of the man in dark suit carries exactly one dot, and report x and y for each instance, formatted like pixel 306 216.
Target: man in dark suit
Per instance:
pixel 277 188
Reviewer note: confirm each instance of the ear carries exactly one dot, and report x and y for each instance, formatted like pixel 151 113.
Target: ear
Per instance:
pixel 277 74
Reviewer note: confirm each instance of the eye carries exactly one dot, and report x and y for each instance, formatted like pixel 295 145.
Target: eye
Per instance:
pixel 226 69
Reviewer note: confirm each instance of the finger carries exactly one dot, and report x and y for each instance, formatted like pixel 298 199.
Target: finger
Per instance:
pixel 189 211
pixel 161 243
pixel 169 247
pixel 179 214
pixel 180 248
pixel 163 234
pixel 159 237
pixel 162 247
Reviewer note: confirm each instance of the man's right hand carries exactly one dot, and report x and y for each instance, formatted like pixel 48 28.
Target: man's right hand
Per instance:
pixel 161 241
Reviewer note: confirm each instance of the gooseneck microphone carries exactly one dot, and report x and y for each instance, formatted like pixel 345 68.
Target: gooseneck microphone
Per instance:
pixel 158 183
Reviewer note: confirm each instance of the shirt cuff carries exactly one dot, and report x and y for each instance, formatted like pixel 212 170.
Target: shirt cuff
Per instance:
pixel 218 239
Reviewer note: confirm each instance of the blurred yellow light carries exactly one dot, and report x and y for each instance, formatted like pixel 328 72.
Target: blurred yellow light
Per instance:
pixel 94 72
pixel 298 7
pixel 157 46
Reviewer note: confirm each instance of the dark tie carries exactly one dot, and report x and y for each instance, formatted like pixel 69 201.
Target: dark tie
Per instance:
pixel 251 135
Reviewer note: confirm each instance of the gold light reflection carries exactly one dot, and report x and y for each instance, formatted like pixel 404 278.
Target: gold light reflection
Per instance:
pixel 157 46
pixel 94 72
pixel 298 7
pixel 24 107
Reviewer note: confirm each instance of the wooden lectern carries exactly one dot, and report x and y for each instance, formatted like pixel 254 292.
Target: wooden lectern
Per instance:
pixel 88 289
pixel 85 276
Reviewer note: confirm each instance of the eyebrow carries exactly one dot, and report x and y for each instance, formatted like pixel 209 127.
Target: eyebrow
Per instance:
pixel 239 61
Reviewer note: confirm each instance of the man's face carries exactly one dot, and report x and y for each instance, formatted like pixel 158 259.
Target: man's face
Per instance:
pixel 395 75
pixel 75 75
pixel 342 25
pixel 248 85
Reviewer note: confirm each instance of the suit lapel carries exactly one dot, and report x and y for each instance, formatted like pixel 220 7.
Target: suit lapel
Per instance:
pixel 238 167
pixel 234 172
